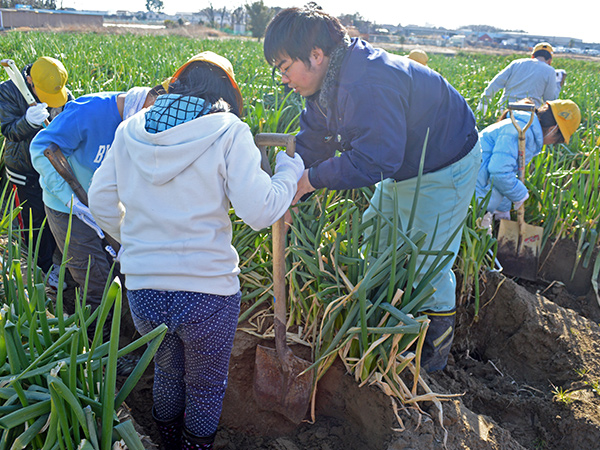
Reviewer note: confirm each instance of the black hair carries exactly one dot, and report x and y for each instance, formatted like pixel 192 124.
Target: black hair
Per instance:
pixel 544 114
pixel 297 31
pixel 544 54
pixel 547 120
pixel 209 82
pixel 157 90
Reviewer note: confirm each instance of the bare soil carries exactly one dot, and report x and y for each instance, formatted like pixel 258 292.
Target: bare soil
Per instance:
pixel 525 370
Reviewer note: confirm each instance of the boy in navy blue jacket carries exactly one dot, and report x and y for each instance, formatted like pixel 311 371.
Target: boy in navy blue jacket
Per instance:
pixel 377 109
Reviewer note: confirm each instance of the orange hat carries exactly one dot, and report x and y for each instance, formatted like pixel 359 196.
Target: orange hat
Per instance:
pixel 217 60
pixel 49 77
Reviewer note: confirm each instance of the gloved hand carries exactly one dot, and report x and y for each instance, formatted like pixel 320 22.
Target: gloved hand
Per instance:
pixel 84 214
pixel 482 106
pixel 500 215
pixel 486 222
pixel 118 257
pixel 518 204
pixel 36 114
pixel 282 160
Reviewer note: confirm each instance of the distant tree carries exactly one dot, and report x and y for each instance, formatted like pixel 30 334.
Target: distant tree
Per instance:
pixel 154 5
pixel 352 20
pixel 238 16
pixel 259 16
pixel 36 4
pixel 210 14
pixel 482 28
pixel 222 13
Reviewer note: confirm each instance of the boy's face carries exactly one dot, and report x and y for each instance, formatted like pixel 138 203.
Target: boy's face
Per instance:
pixel 302 79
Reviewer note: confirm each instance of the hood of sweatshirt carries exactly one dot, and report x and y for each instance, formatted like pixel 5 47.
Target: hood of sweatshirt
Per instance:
pixel 159 157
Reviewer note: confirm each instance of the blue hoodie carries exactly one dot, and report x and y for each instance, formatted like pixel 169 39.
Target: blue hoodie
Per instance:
pixel 84 132
pixel 499 166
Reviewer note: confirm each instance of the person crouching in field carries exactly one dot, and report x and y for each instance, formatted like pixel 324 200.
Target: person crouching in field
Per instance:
pixel 553 123
pixel 368 116
pixel 84 132
pixel 164 192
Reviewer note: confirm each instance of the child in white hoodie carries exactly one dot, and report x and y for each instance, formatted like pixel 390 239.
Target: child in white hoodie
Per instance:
pixel 164 192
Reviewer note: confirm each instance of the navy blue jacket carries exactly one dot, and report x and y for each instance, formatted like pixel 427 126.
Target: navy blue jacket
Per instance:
pixel 378 117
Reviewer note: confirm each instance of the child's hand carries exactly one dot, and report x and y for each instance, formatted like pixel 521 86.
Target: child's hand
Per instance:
pixel 282 161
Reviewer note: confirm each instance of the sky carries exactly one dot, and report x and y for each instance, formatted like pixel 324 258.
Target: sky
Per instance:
pixel 577 20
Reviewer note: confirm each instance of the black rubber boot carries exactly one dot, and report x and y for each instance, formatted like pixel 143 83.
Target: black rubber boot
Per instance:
pixel 170 431
pixel 192 442
pixel 438 340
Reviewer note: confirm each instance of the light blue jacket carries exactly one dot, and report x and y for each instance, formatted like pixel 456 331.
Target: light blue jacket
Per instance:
pixel 84 131
pixel 499 166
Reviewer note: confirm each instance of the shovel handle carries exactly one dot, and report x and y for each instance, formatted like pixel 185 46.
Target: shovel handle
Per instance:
pixel 521 160
pixel 264 140
pixel 521 107
pixel 64 169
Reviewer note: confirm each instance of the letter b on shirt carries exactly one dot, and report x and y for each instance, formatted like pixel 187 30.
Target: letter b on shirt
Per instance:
pixel 102 149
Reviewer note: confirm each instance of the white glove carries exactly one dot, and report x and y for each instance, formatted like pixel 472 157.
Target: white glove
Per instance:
pixel 482 106
pixel 518 204
pixel 36 114
pixel 502 215
pixel 486 222
pixel 560 75
pixel 282 160
pixel 118 257
pixel 84 214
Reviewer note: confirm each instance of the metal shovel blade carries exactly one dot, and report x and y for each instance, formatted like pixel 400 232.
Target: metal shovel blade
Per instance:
pixel 282 389
pixel 519 249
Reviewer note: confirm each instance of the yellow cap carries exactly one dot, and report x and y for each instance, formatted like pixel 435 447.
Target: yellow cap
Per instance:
pixel 543 46
pixel 419 56
pixel 217 60
pixel 49 77
pixel 567 116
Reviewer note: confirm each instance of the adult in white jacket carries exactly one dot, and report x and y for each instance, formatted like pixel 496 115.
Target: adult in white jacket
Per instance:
pixel 164 191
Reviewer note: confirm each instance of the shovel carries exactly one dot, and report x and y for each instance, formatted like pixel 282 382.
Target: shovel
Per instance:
pixel 279 384
pixel 518 242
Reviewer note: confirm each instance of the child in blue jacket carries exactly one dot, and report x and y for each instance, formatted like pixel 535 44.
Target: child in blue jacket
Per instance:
pixel 84 131
pixel 553 123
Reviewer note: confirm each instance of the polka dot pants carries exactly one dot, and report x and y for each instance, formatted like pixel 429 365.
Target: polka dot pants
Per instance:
pixel 191 364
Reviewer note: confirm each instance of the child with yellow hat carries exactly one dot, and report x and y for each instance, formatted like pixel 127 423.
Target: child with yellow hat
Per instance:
pixel 46 80
pixel 553 123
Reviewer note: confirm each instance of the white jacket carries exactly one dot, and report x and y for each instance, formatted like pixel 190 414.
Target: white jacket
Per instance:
pixel 166 198
pixel 522 78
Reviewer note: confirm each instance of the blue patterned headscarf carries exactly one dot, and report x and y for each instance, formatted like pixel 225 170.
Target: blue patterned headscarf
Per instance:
pixel 170 110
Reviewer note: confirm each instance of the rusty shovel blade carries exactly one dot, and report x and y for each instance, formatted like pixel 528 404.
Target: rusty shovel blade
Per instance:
pixel 278 385
pixel 519 249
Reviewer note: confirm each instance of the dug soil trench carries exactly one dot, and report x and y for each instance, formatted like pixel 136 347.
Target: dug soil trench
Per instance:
pixel 527 372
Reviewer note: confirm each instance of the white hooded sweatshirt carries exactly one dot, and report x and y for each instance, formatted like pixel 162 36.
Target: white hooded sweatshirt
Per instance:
pixel 166 197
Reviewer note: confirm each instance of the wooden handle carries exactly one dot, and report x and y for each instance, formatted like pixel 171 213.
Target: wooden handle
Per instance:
pixel 64 169
pixel 264 140
pixel 521 107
